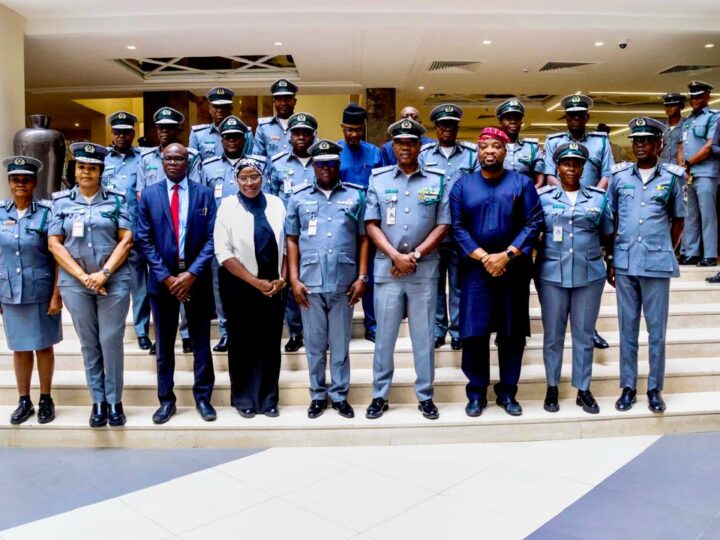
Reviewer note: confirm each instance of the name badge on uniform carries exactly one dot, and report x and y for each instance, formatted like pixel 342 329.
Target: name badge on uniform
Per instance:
pixel 684 137
pixel 218 190
pixel 78 229
pixel 287 185
pixel 312 227
pixel 557 233
pixel 390 217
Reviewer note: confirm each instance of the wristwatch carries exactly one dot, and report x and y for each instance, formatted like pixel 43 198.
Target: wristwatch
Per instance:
pixel 364 278
pixel 416 254
pixel 106 272
pixel 510 254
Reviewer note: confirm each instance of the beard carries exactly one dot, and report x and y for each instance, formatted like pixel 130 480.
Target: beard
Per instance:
pixel 491 167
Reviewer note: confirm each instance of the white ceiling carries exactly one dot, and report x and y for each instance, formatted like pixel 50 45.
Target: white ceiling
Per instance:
pixel 344 47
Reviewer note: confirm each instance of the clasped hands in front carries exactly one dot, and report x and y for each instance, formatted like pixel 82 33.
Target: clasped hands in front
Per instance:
pixel 179 286
pixel 95 282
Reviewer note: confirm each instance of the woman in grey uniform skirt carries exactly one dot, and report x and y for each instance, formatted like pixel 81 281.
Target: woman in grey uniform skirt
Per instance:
pixel 29 296
pixel 90 237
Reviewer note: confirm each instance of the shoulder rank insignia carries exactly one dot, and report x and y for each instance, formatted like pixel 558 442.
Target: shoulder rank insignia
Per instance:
pixel 619 167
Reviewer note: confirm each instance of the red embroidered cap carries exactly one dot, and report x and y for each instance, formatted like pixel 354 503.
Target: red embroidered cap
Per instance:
pixel 493 133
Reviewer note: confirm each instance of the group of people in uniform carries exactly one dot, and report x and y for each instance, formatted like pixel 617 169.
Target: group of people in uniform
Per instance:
pixel 446 233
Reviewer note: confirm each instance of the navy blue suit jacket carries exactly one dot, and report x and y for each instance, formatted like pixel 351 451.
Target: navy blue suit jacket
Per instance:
pixel 156 237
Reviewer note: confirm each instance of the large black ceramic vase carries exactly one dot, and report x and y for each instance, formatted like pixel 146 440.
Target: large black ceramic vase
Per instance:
pixel 47 145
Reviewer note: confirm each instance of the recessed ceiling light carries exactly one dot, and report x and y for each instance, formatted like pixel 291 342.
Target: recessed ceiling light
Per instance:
pixel 487 42
pixel 421 88
pixel 131 47
pixel 278 43
pixel 599 43
pixel 77 124
pixel 709 45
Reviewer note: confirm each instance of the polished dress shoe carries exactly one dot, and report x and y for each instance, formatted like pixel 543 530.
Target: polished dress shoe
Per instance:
pixel 46 409
pixel 686 260
pixel 455 344
pixel 626 399
pixel 98 415
pixel 187 345
pixel 376 408
pixel 246 413
pixel 428 409
pixel 294 344
pixel 24 411
pixel 370 335
pixel 207 411
pixel 343 408
pixel 713 279
pixel 222 345
pixel 272 412
pixel 551 403
pixel 655 401
pixel 116 415
pixel 599 342
pixel 439 342
pixel 707 262
pixel 316 408
pixel 164 413
pixel 475 407
pixel 586 400
pixel 144 343
pixel 153 350
pixel 510 404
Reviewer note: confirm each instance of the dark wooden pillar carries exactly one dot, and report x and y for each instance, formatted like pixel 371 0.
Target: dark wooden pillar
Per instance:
pixel 178 100
pixel 380 105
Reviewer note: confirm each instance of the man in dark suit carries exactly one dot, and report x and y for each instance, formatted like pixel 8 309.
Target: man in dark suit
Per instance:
pixel 176 218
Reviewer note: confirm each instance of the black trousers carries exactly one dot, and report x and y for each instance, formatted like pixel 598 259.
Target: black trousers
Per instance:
pixel 476 365
pixel 254 325
pixel 166 310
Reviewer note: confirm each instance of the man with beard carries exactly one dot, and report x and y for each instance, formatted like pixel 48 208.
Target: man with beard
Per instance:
pixel 496 220
pixel 523 154
pixel 387 152
pixel 598 166
pixel 272 134
pixel 672 137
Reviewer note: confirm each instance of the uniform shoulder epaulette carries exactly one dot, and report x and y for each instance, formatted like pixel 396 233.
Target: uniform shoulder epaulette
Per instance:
pixel 714 111
pixel 469 145
pixel 677 170
pixel 598 134
pixel 381 170
pixel 3 204
pixel 61 194
pixel 199 127
pixel 435 170
pixel 426 146
pixel 555 135
pixel 148 151
pixel 257 157
pixel 300 187
pixel 355 186
pixel 546 189
pixel 595 188
pixel 212 159
pixel 531 140
pixel 623 165
pixel 193 151
pixel 265 120
pixel 45 203
pixel 279 155
pixel 113 191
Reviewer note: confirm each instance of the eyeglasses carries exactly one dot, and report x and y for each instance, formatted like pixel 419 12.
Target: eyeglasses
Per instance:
pixel 329 164
pixel 174 159
pixel 250 178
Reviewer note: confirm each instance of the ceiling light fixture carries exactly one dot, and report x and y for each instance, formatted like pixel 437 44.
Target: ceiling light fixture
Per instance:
pixel 421 88
pixel 278 43
pixel 131 47
pixel 487 42
pixel 599 43
pixel 709 45
pixel 77 124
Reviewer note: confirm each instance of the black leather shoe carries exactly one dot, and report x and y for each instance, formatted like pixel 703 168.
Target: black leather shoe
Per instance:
pixel 428 409
pixel 713 279
pixel 599 342
pixel 343 408
pixel 152 350
pixel 272 412
pixel 24 411
pixel 187 345
pixel 655 401
pixel 221 345
pixel 376 408
pixel 370 335
pixel 316 408
pixel 686 260
pixel 551 403
pixel 164 413
pixel 294 344
pixel 116 415
pixel 46 410
pixel 439 342
pixel 144 343
pixel 707 262
pixel 626 399
pixel 510 404
pixel 98 415
pixel 586 400
pixel 207 411
pixel 475 407
pixel 455 344
pixel 246 413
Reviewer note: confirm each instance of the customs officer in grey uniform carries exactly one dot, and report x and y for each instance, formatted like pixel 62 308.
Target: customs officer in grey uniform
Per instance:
pixel 523 153
pixel 598 166
pixel 288 170
pixel 205 138
pixel 90 238
pixel 571 272
pixel 456 158
pixel 219 174
pixel 168 121
pixel 327 263
pixel 700 237
pixel 273 134
pixel 674 104
pixel 120 173
pixel 647 201
pixel 29 297
pixel 407 216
